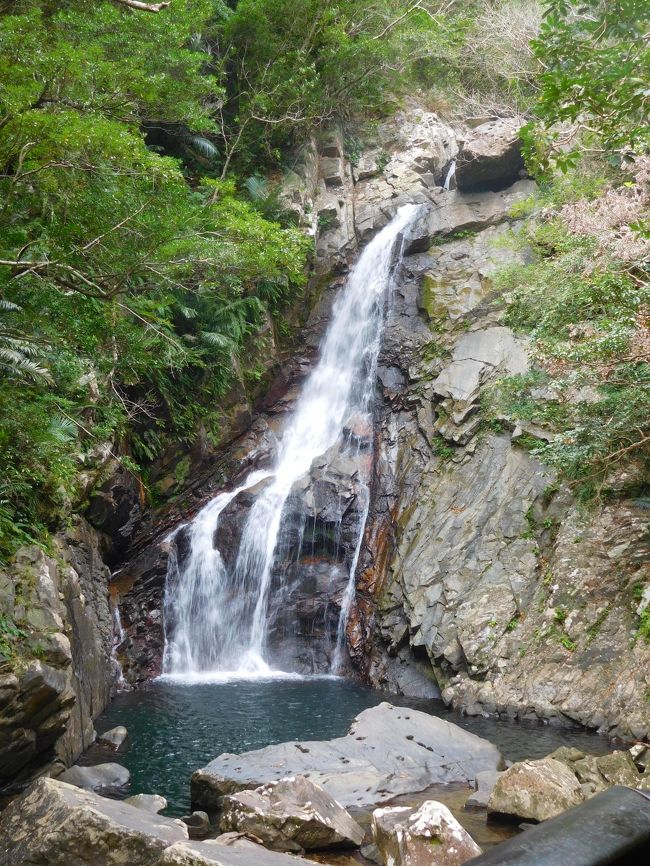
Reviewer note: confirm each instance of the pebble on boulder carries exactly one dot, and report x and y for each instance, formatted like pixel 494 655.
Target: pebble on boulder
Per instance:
pixel 149 802
pixel 291 815
pixel 428 836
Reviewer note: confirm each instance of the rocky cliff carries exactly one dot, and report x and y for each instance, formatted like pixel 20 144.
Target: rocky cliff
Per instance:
pixel 479 577
pixel 63 676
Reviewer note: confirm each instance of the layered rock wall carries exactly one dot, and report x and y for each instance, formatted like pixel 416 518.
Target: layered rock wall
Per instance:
pixel 479 570
pixel 63 675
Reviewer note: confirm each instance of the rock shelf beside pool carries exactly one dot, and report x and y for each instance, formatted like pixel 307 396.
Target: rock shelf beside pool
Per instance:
pixel 387 751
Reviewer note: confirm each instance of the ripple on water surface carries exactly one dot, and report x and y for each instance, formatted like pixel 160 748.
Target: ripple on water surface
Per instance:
pixel 176 727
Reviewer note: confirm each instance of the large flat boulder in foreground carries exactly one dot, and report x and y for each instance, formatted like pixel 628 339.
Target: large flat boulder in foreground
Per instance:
pixel 56 824
pixel 387 751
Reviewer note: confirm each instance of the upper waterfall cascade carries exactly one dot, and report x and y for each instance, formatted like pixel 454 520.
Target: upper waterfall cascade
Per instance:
pixel 217 609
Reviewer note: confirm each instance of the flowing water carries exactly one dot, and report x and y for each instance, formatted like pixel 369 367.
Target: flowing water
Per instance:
pixel 217 617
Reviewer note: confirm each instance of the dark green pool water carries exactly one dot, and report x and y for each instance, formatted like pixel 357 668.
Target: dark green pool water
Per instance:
pixel 174 728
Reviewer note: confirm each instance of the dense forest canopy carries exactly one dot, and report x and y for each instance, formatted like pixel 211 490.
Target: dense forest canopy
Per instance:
pixel 136 261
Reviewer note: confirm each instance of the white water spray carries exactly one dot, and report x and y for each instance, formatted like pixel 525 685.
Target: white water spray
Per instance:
pixel 451 173
pixel 216 622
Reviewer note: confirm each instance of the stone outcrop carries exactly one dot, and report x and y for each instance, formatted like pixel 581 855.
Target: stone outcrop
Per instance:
pixel 63 673
pixel 293 814
pixel 115 738
pixel 490 156
pixel 54 824
pixel 387 751
pixel 535 790
pixel 477 568
pixel 428 836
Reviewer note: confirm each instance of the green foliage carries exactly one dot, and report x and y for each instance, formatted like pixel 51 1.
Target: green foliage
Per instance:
pixel 585 311
pixel 286 75
pixel 126 293
pixel 442 449
pixel 9 635
pixel 595 57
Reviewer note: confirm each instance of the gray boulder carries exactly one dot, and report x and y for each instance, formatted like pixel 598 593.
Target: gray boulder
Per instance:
pixel 535 790
pixel 107 775
pixel 387 751
pixel 149 802
pixel 198 824
pixel 115 738
pixel 485 783
pixel 490 156
pixel 291 815
pixel 55 824
pixel 428 836
pixel 214 852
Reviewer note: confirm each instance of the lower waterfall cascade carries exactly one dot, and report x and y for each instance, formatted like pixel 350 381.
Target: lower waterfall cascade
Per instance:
pixel 217 613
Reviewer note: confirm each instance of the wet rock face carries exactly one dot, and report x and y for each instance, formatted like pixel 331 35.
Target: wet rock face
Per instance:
pixel 428 836
pixel 65 674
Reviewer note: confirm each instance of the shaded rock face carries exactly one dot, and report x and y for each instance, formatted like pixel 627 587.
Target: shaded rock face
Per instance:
pixel 490 157
pixel 66 673
pixel 428 836
pixel 293 814
pixel 387 751
pixel 54 824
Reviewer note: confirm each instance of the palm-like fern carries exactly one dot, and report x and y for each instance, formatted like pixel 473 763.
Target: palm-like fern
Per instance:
pixel 18 355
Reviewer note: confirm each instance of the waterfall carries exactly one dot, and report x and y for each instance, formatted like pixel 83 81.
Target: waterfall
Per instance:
pixel 451 173
pixel 217 616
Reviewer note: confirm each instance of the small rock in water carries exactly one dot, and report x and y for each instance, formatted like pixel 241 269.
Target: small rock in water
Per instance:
pixel 115 738
pixel 428 836
pixel 100 776
pixel 291 815
pixel 149 802
pixel 485 783
pixel 198 824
